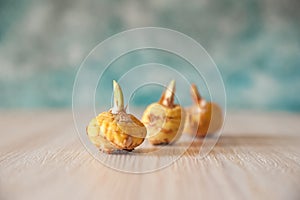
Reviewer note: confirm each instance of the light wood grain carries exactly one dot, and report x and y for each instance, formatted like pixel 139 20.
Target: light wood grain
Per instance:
pixel 257 157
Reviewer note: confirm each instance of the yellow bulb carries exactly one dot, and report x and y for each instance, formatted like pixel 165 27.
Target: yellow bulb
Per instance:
pixel 164 119
pixel 115 129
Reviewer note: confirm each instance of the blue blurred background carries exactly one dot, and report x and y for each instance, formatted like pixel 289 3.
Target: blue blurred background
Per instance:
pixel 255 44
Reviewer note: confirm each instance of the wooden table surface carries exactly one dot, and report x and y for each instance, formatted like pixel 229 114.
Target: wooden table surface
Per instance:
pixel 257 157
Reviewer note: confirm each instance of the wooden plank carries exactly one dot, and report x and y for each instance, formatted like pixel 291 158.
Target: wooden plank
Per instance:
pixel 257 157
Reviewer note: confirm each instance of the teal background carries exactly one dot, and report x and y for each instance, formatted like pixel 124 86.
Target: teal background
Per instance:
pixel 255 44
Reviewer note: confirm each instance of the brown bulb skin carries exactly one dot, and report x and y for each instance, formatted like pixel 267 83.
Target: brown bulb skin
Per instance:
pixel 203 118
